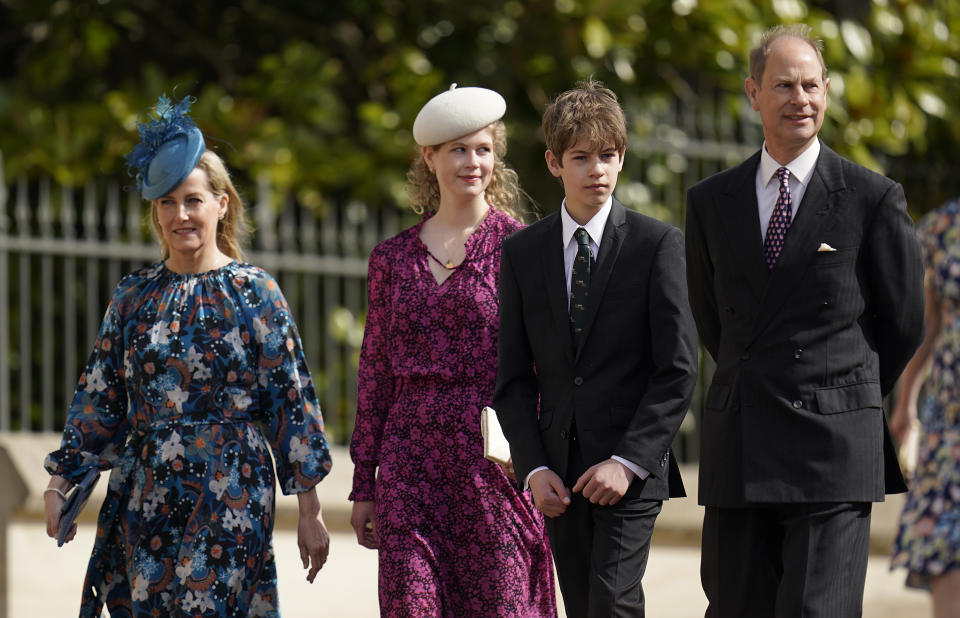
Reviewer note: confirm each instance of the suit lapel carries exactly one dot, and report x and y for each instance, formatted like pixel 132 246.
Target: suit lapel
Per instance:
pixel 610 243
pixel 801 244
pixel 551 253
pixel 741 221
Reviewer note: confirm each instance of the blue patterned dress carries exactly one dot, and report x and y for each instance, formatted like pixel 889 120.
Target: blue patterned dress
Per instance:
pixel 188 376
pixel 928 536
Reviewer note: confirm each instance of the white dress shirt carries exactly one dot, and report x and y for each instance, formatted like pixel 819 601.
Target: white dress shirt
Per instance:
pixel 768 187
pixel 594 228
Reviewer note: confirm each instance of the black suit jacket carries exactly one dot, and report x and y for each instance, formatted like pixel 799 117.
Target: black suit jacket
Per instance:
pixel 629 383
pixel 806 351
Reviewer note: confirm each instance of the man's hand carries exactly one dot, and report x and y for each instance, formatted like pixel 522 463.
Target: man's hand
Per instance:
pixel 549 494
pixel 363 518
pixel 604 483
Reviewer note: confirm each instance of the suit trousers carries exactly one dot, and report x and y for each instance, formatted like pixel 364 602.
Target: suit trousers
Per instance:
pixel 600 552
pixel 805 560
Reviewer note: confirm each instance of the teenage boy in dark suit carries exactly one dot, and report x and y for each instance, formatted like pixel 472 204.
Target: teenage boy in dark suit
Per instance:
pixel 597 361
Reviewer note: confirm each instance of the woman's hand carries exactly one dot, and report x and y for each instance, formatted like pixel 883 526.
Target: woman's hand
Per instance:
pixel 312 537
pixel 508 470
pixel 903 421
pixel 52 503
pixel 363 518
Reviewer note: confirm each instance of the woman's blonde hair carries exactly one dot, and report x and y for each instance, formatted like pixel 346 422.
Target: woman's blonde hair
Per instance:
pixel 232 230
pixel 503 192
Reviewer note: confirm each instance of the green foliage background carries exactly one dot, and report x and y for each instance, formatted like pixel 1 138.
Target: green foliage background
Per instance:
pixel 320 96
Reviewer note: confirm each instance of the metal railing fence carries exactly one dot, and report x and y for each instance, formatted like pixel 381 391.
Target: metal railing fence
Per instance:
pixel 62 250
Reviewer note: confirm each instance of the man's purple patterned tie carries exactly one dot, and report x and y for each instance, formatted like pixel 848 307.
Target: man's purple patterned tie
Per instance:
pixel 779 220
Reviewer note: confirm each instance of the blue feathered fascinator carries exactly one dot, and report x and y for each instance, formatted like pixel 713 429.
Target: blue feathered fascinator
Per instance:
pixel 170 147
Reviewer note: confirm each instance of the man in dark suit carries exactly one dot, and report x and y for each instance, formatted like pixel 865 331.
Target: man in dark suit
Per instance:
pixel 807 288
pixel 597 361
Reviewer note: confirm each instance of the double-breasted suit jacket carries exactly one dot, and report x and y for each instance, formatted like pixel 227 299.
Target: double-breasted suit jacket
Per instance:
pixel 806 351
pixel 627 386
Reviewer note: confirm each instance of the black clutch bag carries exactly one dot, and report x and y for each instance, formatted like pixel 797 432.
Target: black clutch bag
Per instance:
pixel 74 503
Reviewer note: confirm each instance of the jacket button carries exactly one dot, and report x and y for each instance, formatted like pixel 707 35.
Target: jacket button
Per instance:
pixel 563 434
pixel 797 352
pixel 797 404
pixel 578 381
pixel 745 356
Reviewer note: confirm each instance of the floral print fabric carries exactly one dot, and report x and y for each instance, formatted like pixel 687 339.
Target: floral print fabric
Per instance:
pixel 928 539
pixel 193 381
pixel 456 537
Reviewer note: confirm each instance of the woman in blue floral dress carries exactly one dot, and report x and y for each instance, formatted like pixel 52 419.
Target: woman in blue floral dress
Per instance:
pixel 928 538
pixel 197 375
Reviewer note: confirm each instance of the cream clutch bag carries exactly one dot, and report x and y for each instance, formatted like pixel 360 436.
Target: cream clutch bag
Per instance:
pixel 495 445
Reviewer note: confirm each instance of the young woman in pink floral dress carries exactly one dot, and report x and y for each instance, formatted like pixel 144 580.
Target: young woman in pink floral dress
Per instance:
pixel 455 536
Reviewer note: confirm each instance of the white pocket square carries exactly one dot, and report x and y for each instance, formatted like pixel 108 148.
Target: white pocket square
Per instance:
pixel 824 247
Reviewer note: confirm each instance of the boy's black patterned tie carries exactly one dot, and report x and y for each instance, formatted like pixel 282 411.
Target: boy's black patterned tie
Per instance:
pixel 580 284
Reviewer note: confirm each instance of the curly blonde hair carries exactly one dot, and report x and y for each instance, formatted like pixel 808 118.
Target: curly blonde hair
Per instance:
pixel 232 230
pixel 503 192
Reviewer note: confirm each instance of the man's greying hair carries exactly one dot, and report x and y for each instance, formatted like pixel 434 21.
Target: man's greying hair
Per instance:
pixel 758 55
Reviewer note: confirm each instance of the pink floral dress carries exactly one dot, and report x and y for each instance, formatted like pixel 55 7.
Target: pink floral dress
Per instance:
pixel 457 538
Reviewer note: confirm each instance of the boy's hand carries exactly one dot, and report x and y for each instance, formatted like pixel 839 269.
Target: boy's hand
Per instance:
pixel 549 494
pixel 604 483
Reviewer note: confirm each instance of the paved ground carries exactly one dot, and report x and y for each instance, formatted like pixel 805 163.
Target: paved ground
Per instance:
pixel 45 581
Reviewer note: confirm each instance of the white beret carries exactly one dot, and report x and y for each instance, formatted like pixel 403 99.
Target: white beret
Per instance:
pixel 457 112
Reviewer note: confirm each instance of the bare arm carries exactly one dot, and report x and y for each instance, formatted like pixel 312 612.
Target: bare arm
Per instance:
pixel 905 408
pixel 312 537
pixel 52 503
pixel 363 519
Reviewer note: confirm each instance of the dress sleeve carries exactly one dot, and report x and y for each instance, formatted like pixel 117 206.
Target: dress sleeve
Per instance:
pixel 375 380
pixel 96 426
pixel 289 409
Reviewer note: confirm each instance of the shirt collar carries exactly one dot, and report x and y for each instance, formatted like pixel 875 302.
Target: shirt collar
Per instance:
pixel 800 168
pixel 594 226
